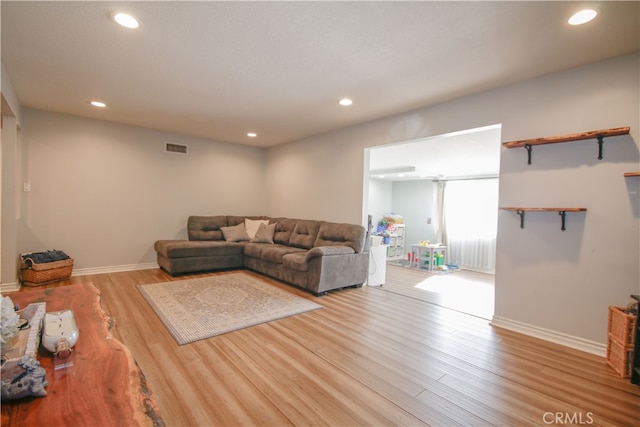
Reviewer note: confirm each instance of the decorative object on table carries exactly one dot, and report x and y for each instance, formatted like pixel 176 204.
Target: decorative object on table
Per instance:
pixel 30 382
pixel 8 324
pixel 40 268
pixel 200 308
pixel 59 336
pixel 22 374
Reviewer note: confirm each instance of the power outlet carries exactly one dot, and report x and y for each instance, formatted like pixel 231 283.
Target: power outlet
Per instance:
pixel 26 187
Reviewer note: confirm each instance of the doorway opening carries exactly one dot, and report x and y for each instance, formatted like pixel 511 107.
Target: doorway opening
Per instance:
pixel 444 192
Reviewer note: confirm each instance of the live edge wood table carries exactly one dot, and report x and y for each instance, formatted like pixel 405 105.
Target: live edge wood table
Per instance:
pixel 104 387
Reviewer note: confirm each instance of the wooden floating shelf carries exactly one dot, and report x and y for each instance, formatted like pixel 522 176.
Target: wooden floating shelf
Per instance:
pixel 568 138
pixel 582 136
pixel 546 209
pixel 561 211
pixel 628 174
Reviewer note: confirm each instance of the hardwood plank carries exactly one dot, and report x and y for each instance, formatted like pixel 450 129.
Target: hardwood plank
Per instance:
pixel 368 357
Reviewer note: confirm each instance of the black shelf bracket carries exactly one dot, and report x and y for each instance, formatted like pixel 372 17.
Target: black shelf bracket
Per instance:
pixel 521 213
pixel 529 148
pixel 600 138
pixel 563 215
pixel 600 141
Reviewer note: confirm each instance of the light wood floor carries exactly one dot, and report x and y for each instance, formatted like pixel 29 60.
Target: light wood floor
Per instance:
pixel 461 290
pixel 367 358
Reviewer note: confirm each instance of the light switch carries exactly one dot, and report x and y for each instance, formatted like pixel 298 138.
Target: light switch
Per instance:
pixel 26 187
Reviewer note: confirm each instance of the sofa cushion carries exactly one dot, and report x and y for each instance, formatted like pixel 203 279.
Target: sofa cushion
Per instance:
pixel 186 248
pixel 296 261
pixel 267 252
pixel 334 234
pixel 305 233
pixel 206 227
pixel 236 233
pixel 264 234
pixel 284 228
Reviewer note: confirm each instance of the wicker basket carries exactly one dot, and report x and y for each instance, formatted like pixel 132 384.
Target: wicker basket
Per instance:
pixel 619 357
pixel 47 272
pixel 621 326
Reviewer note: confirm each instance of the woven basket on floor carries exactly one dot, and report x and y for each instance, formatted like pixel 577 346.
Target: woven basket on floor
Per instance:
pixel 47 272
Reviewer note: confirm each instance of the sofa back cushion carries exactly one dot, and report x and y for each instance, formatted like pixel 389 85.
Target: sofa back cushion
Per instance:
pixel 305 233
pixel 206 227
pixel 284 228
pixel 334 234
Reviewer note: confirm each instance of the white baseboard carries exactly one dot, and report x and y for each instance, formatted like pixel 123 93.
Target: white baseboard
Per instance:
pixel 577 343
pixel 113 269
pixel 14 287
pixel 9 287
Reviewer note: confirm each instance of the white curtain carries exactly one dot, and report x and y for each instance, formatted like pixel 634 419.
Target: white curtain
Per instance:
pixel 440 227
pixel 471 221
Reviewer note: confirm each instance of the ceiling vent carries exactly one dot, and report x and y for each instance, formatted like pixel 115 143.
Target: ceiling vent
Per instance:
pixel 170 147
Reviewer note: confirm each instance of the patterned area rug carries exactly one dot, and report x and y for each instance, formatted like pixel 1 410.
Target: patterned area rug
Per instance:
pixel 196 309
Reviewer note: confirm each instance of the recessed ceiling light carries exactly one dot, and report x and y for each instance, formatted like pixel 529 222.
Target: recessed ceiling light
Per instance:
pixel 126 20
pixel 252 134
pixel 345 102
pixel 582 17
pixel 98 104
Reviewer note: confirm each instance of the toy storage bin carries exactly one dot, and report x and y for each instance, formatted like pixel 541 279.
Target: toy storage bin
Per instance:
pixel 621 326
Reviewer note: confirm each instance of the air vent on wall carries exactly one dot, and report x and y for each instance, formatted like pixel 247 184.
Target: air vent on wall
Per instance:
pixel 170 147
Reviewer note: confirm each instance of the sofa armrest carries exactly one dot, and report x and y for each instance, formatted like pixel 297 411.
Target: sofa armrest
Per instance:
pixel 329 251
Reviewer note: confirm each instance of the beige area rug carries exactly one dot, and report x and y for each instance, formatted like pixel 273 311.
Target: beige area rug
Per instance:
pixel 195 309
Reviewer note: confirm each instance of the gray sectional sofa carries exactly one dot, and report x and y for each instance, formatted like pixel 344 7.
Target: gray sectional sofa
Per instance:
pixel 314 255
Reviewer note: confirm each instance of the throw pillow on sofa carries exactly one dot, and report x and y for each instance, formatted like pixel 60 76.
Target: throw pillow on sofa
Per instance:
pixel 251 226
pixel 265 233
pixel 236 233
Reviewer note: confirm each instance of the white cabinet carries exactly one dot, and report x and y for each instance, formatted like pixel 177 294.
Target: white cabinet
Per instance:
pixel 395 250
pixel 377 265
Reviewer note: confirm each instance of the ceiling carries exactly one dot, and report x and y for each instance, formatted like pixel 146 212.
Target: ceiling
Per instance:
pixel 464 154
pixel 218 70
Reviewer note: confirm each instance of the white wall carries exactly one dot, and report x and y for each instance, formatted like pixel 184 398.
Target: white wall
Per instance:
pixel 11 169
pixel 561 282
pixel 380 199
pixel 104 192
pixel 414 201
